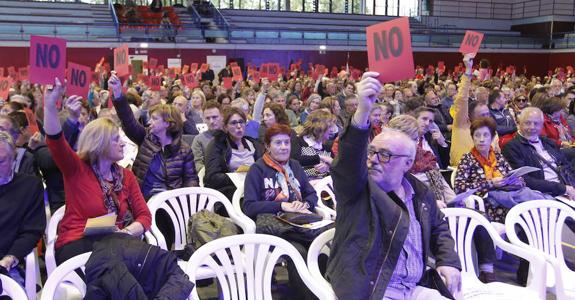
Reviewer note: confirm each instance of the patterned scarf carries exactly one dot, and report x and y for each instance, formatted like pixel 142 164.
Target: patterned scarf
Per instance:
pixel 285 178
pixel 424 160
pixel 489 165
pixel 110 190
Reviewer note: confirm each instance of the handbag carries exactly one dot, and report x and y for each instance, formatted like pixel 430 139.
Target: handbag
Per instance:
pixel 273 225
pixel 299 218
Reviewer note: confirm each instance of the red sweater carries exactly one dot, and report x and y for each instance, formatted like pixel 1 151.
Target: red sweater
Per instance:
pixel 84 196
pixel 551 131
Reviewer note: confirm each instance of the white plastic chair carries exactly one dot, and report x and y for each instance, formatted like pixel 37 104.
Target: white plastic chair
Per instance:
pixel 51 235
pixel 181 204
pixel 244 264
pixel 317 247
pixel 237 201
pixel 462 224
pixel 543 221
pixel 64 274
pixel 32 274
pixel 12 289
pixel 201 174
pixel 325 185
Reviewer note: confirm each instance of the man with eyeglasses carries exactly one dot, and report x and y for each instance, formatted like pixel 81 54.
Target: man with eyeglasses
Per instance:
pixel 387 221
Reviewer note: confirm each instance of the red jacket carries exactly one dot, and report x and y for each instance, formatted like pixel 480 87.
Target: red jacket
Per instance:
pixel 550 130
pixel 84 196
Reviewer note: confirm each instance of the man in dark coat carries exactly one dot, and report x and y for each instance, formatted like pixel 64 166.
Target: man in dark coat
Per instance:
pixel 387 221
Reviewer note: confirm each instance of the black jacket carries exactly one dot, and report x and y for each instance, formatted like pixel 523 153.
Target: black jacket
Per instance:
pixel 505 121
pixel 218 155
pixel 261 188
pixel 22 215
pixel 124 267
pixel 442 153
pixel 372 225
pixel 519 153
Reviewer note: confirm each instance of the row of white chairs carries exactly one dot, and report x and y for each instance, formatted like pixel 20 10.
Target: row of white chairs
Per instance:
pixel 254 256
pixel 180 205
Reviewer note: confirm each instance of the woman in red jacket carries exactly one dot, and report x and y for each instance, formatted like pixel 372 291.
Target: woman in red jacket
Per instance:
pixel 94 184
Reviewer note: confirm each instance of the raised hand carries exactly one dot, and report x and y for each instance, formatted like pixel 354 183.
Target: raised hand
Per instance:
pixel 55 94
pixel 74 106
pixel 115 85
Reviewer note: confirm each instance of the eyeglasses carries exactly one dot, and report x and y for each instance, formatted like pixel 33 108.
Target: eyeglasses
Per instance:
pixel 383 155
pixel 236 122
pixel 521 100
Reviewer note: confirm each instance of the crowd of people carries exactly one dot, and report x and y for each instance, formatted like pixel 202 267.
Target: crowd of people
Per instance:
pixel 383 144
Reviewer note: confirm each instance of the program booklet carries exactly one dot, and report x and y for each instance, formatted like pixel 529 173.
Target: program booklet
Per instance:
pixel 101 225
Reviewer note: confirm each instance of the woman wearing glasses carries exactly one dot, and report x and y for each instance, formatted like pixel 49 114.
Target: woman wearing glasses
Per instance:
pixel 230 150
pixel 518 104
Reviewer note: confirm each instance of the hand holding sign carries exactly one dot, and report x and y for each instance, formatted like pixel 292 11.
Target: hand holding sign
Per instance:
pixel 389 50
pixel 471 42
pixel 115 85
pixel 52 97
pixel 368 89
pixel 468 61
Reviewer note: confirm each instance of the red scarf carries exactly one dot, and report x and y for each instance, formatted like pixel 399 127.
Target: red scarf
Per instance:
pixel 272 163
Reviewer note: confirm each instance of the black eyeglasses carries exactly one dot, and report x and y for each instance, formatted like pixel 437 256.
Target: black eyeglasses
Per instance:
pixel 383 155
pixel 236 122
pixel 521 100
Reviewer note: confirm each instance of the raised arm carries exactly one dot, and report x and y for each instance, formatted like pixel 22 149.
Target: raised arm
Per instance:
pixel 260 101
pixel 66 159
pixel 133 129
pixel 461 101
pixel 349 168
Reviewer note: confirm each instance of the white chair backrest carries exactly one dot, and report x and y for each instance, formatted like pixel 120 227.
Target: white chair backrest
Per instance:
pixel 244 264
pixel 66 273
pixel 201 174
pixel 543 221
pixel 12 288
pixel 325 185
pixel 462 224
pixel 321 244
pixel 181 204
pixel 453 173
pixel 51 235
pixel 474 202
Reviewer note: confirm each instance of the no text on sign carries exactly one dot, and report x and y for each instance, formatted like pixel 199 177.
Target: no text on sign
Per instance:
pixel 471 42
pixel 389 50
pixel 47 59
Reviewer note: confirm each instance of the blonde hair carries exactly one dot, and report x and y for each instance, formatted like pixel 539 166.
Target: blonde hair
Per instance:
pixel 406 124
pixel 7 139
pixel 201 94
pixel 317 123
pixel 172 115
pixel 95 139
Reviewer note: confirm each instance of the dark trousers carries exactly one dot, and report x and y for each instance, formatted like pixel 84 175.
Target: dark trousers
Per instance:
pixel 298 289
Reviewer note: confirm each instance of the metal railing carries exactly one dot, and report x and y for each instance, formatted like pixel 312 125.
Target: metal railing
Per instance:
pixel 114 17
pixel 495 9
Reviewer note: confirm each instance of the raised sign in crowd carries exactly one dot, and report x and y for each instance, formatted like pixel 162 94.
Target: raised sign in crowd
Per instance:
pixel 398 145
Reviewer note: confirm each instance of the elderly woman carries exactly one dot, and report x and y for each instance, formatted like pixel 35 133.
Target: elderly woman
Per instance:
pixel 312 104
pixel 230 150
pixel 276 183
pixel 485 170
pixel 310 147
pixel 425 168
pixel 95 185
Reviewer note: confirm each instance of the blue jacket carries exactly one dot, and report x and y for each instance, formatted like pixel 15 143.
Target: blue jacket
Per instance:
pixel 261 187
pixel 371 225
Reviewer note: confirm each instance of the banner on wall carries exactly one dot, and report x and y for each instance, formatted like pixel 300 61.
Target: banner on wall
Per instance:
pixel 217 62
pixel 174 63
